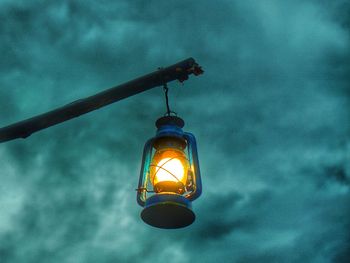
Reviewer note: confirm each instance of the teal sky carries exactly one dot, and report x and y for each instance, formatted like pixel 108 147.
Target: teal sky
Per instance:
pixel 271 117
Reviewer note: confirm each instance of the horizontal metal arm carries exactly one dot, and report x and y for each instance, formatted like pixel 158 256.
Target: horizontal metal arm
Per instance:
pixel 179 71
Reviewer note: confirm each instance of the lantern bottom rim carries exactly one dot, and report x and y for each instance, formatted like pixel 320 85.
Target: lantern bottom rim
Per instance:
pixel 168 210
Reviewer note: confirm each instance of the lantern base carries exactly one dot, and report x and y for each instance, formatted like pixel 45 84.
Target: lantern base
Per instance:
pixel 168 210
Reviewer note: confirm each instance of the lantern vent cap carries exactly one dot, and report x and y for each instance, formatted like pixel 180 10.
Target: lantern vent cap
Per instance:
pixel 170 120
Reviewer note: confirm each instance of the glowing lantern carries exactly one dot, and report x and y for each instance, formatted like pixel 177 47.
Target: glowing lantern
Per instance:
pixel 170 176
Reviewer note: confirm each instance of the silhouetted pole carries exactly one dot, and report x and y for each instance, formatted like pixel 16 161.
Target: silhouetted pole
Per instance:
pixel 179 71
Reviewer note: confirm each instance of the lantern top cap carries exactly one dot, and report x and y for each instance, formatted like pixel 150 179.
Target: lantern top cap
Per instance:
pixel 170 120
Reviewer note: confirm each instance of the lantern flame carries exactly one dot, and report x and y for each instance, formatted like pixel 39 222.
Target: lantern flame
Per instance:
pixel 169 169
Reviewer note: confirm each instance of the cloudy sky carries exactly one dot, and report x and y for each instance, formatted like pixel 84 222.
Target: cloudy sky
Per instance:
pixel 271 117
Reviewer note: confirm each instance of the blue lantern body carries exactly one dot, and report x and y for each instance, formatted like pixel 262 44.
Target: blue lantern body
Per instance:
pixel 170 176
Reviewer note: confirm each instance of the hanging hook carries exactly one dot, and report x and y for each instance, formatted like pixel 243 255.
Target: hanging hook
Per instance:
pixel 166 90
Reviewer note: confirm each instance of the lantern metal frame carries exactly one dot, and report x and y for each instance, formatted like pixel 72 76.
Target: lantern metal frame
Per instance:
pixel 169 209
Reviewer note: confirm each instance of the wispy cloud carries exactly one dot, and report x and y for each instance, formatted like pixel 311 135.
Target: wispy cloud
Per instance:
pixel 271 116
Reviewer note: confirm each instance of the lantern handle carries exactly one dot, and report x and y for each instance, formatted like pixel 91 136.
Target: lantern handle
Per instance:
pixel 194 158
pixel 142 186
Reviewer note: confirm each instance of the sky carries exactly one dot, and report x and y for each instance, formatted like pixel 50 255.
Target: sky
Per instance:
pixel 271 117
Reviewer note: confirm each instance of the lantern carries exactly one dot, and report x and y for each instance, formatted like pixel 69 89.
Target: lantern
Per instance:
pixel 170 177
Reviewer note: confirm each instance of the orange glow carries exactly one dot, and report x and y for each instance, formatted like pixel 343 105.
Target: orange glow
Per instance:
pixel 168 171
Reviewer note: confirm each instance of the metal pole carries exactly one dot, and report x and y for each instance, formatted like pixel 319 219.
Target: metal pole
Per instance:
pixel 179 71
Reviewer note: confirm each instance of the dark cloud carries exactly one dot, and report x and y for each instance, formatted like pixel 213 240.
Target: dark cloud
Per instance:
pixel 270 115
